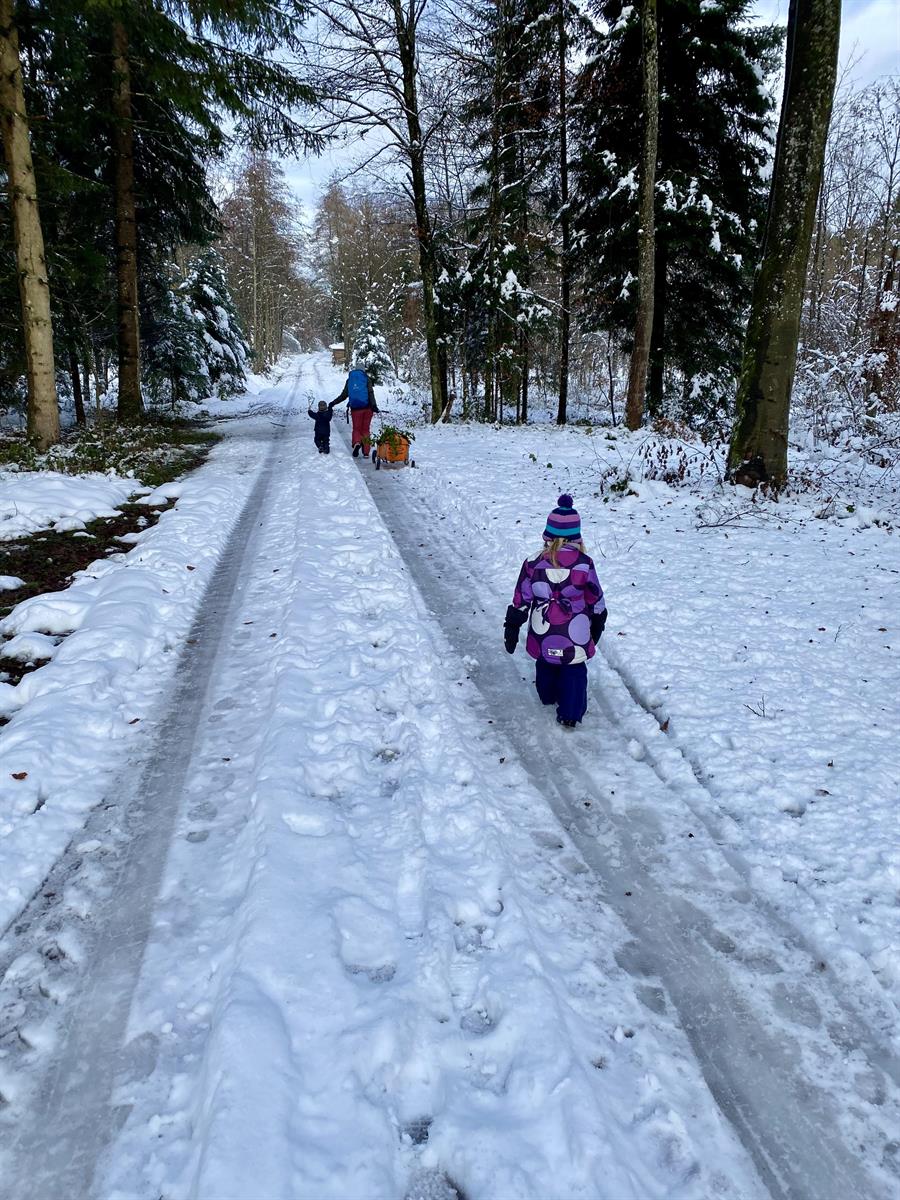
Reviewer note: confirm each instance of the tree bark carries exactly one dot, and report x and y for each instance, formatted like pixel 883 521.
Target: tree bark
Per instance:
pixel 643 329
pixel 130 403
pixel 656 371
pixel 31 266
pixel 526 367
pixel 758 449
pixel 77 394
pixel 565 226
pixel 884 343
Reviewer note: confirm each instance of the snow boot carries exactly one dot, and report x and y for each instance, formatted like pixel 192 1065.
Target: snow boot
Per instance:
pixel 356 449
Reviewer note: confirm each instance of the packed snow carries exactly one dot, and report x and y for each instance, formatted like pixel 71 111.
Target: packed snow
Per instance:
pixel 339 912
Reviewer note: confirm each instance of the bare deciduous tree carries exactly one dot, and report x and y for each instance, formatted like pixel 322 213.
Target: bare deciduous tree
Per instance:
pixel 370 81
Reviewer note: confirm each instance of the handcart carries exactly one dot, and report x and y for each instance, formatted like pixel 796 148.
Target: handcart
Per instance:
pixel 391 448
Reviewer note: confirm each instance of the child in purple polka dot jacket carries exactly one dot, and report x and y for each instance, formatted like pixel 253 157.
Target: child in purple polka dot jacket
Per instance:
pixel 559 595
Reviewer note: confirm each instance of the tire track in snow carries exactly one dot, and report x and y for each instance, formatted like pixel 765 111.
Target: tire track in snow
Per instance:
pixel 676 765
pixel 55 1144
pixel 390 903
pixel 780 1051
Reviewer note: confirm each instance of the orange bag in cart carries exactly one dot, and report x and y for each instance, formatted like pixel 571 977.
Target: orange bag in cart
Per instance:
pixel 392 448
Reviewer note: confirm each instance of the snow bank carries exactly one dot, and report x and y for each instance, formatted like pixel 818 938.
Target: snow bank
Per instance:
pixel 32 500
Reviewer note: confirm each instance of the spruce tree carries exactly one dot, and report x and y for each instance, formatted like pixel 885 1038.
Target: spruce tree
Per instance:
pixel 173 349
pixel 714 139
pixel 193 344
pixel 370 348
pixel 225 351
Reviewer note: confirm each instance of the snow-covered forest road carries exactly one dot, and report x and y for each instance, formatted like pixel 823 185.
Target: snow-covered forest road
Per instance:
pixel 355 920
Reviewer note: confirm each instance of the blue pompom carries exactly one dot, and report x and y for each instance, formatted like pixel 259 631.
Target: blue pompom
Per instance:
pixel 565 501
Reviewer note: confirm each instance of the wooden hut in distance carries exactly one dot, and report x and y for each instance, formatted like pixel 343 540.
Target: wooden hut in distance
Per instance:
pixel 338 355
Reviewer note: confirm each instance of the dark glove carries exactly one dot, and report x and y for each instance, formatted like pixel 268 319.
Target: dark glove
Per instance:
pixel 515 619
pixel 598 624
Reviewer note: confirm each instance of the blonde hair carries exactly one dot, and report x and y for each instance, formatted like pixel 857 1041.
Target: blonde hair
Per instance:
pixel 552 547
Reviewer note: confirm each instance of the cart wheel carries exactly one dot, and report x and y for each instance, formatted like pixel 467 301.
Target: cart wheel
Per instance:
pixel 412 462
pixel 374 454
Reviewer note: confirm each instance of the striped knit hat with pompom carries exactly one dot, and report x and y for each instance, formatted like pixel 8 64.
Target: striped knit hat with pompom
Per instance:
pixel 564 521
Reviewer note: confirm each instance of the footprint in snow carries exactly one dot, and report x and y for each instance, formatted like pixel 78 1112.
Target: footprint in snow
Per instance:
pixel 433 1185
pixel 470 939
pixel 368 939
pixel 417 1130
pixel 203 812
pixel 797 1004
pixel 634 959
pixel 651 997
pixel 548 841
pixel 383 974
pixel 477 1021
pixel 308 824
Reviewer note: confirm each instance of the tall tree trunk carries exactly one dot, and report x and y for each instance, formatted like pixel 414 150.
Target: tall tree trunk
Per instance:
pixel 130 403
pixel 405 29
pixel 86 374
pixel 565 225
pixel 860 291
pixel 100 379
pixel 489 411
pixel 523 411
pixel 256 335
pixel 656 372
pixel 77 394
pixel 759 442
pixel 884 342
pixel 643 328
pixel 31 267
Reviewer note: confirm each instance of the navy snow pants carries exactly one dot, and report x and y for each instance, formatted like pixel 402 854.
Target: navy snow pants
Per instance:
pixel 566 687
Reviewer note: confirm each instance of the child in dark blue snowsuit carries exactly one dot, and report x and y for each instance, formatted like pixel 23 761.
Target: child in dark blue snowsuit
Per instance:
pixel 322 418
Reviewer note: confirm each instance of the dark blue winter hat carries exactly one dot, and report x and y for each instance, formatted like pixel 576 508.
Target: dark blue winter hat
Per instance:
pixel 563 521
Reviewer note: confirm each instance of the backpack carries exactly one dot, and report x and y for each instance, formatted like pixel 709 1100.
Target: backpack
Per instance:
pixel 358 388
